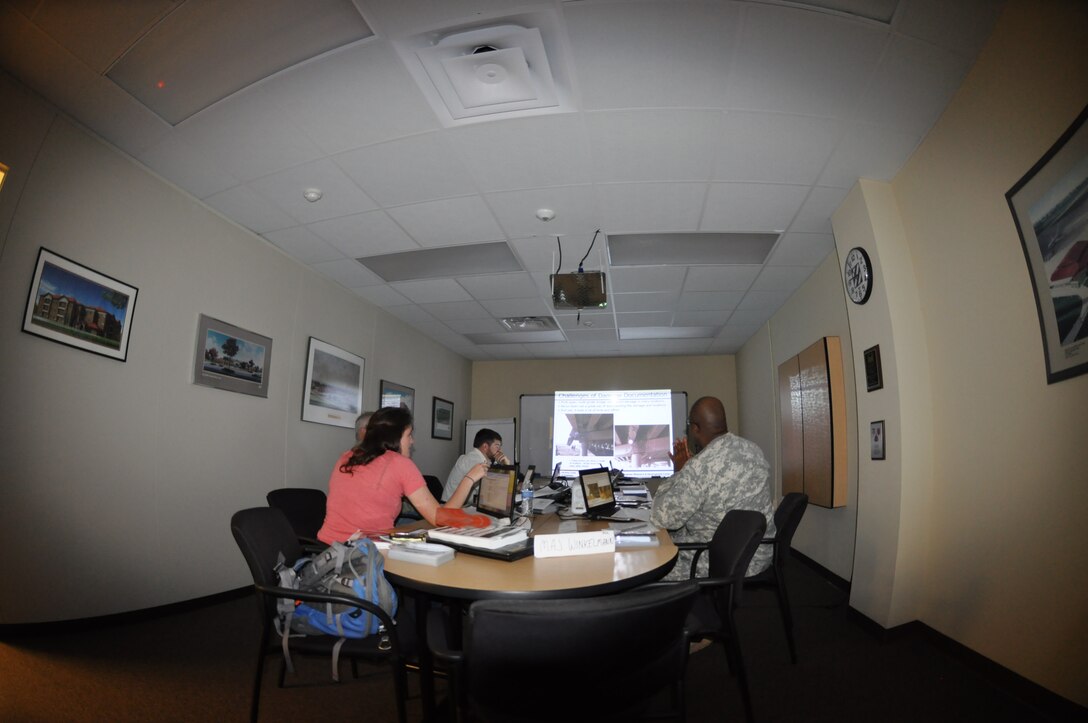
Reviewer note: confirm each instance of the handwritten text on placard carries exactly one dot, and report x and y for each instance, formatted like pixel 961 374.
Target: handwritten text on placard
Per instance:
pixel 574 543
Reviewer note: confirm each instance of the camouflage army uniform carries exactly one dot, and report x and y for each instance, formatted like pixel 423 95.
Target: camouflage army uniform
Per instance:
pixel 730 473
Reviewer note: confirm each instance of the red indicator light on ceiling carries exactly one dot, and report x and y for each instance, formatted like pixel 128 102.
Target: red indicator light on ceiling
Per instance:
pixel 160 84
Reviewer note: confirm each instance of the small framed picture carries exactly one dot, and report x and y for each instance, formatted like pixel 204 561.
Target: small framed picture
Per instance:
pixel 876 439
pixel 441 419
pixel 229 357
pixel 77 306
pixel 874 375
pixel 333 392
pixel 397 395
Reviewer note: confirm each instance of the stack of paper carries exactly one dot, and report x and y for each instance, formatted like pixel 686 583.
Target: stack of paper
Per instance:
pixel 488 538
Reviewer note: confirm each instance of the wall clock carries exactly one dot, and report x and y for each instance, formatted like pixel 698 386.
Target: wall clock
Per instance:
pixel 858 274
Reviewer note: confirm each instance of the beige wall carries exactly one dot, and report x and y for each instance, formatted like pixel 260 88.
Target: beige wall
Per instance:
pixel 818 309
pixel 974 524
pixel 498 385
pixel 1007 539
pixel 118 471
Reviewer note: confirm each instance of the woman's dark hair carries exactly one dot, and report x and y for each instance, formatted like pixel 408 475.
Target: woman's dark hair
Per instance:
pixel 383 433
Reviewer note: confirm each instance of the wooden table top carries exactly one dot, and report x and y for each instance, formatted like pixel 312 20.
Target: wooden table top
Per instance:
pixel 473 577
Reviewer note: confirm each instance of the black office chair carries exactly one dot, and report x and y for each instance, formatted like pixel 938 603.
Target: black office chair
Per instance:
pixel 408 512
pixel 304 508
pixel 434 485
pixel 606 658
pixel 786 519
pixel 262 533
pixel 731 550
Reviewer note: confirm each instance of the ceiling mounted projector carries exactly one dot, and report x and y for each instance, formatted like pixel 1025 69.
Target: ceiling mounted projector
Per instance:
pixel 580 290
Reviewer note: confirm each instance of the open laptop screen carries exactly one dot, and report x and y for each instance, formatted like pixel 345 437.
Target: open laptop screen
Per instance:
pixel 597 487
pixel 497 491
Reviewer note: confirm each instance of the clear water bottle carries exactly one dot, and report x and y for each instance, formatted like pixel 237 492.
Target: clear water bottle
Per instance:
pixel 527 496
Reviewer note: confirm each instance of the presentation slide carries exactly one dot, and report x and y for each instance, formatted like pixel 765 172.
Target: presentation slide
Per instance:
pixel 628 430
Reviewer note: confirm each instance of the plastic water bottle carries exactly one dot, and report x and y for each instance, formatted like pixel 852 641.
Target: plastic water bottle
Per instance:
pixel 527 497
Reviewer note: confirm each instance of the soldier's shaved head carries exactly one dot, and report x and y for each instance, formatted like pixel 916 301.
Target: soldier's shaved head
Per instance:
pixel 706 421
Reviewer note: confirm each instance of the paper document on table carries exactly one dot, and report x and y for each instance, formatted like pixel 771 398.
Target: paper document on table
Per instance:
pixel 540 506
pixel 632 513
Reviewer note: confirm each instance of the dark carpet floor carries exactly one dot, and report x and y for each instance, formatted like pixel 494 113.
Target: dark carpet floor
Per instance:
pixel 198 665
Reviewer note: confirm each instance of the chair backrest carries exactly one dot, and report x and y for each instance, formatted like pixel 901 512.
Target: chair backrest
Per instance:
pixel 434 485
pixel 262 533
pixel 731 550
pixel 304 507
pixel 607 653
pixel 786 519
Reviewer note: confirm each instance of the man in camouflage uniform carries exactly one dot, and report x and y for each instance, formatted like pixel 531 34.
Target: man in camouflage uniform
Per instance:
pixel 721 472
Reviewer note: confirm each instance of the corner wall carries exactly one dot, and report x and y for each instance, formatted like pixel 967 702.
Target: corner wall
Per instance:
pixel 125 474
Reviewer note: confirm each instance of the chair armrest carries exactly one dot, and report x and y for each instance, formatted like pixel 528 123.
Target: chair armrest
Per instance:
pixel 312 546
pixel 436 639
pixel 321 597
pixel 699 548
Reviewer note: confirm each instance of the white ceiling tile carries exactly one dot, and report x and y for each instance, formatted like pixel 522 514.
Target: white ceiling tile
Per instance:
pixel 416 316
pixel 448 222
pixel 457 310
pixel 382 295
pixel 582 336
pixel 751 317
pixel 646 278
pixel 644 318
pixel 802 249
pixel 815 214
pixel 587 320
pixel 775 67
pixel 249 135
pixel 648 301
pixel 517 307
pixel 720 278
pixel 960 26
pixel 577 212
pixel 187 167
pixel 782 278
pixel 551 350
pixel 533 152
pixel 347 273
pixel 476 326
pixel 709 300
pixel 353 97
pixel 340 195
pixel 646 207
pixel 700 318
pixel 432 291
pixel 364 234
pixel 538 255
pixel 913 84
pixel 640 54
pixel 304 245
pixel 759 207
pixel 408 170
pixel 653 145
pixel 499 286
pixel 506 351
pixel 775 147
pixel 245 206
pixel 868 152
pixel 765 299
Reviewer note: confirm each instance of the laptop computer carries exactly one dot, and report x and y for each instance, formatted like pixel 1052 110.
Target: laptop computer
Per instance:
pixel 497 489
pixel 597 490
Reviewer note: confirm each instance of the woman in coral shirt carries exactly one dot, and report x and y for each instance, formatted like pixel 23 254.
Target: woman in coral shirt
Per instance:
pixel 369 480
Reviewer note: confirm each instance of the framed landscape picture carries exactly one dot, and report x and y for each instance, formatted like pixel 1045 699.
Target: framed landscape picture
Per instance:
pixel 1050 208
pixel 441 419
pixel 77 306
pixel 397 395
pixel 229 357
pixel 333 392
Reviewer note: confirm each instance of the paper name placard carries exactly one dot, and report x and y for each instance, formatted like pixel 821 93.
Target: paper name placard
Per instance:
pixel 574 543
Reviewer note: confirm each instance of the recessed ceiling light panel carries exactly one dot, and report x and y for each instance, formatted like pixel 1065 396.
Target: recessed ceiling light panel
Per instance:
pixel 687 249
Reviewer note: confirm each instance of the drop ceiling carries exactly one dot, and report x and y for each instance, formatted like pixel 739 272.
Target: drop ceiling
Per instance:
pixel 709 141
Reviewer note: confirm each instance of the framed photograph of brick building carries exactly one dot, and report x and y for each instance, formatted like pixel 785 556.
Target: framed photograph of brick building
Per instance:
pixel 77 306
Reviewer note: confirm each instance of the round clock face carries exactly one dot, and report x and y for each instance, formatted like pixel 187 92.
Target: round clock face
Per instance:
pixel 858 273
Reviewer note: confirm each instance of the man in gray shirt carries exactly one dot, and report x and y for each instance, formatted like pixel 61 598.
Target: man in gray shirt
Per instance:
pixel 487 449
pixel 720 472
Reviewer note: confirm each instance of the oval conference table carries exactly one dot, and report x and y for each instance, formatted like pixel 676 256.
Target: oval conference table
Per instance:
pixel 469 577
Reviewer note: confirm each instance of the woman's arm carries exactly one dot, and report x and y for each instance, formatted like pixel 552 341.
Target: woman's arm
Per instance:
pixel 427 506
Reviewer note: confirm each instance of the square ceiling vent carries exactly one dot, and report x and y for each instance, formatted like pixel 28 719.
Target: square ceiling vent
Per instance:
pixel 513 65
